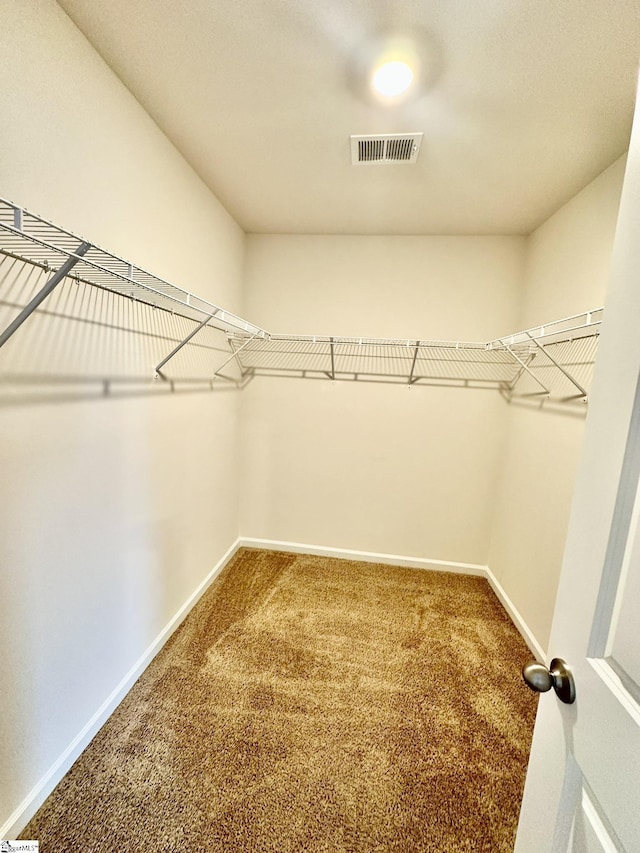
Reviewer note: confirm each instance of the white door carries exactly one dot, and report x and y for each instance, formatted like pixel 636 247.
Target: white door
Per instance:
pixel 583 786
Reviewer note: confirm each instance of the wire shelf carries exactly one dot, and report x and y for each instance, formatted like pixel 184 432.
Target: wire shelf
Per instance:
pixel 558 331
pixel 554 360
pixel 29 237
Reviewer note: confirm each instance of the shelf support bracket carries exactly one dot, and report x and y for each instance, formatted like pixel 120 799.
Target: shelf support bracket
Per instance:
pixel 42 294
pixel 332 375
pixel 244 371
pixel 583 392
pixel 235 352
pixel 525 368
pixel 185 341
pixel 413 363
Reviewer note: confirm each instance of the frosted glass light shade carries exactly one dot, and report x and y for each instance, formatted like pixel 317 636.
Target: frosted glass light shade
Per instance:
pixel 392 78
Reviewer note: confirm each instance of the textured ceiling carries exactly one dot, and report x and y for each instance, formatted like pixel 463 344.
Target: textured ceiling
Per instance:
pixel 525 101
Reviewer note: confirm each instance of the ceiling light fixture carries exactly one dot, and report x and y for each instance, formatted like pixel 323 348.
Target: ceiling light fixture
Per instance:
pixel 393 69
pixel 392 79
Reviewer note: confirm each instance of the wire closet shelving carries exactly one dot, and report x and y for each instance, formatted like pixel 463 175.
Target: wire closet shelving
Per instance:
pixel 553 361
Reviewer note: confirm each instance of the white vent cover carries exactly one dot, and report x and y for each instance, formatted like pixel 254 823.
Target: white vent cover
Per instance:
pixel 381 149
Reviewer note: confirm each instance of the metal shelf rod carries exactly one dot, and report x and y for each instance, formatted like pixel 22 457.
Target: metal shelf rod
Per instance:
pixel 182 343
pixel 42 294
pixel 234 354
pixel 582 391
pixel 413 363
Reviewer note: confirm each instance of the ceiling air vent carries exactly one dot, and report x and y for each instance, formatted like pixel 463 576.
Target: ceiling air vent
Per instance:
pixel 384 148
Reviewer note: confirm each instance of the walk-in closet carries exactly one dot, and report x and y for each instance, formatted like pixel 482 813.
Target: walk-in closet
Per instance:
pixel 317 401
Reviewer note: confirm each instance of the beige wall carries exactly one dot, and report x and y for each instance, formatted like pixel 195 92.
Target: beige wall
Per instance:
pixel 434 473
pixel 112 511
pixel 374 467
pixel 566 272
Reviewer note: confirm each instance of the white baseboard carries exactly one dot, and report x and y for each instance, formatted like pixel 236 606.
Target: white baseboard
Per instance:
pixel 365 556
pixel 527 634
pixel 36 797
pixel 409 562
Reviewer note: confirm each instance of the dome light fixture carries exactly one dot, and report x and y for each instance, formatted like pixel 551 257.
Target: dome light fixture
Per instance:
pixel 392 78
pixel 392 69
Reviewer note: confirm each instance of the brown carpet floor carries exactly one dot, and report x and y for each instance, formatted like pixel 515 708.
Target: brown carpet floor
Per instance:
pixel 310 704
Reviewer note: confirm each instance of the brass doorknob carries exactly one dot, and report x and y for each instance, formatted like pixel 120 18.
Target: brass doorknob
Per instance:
pixel 558 676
